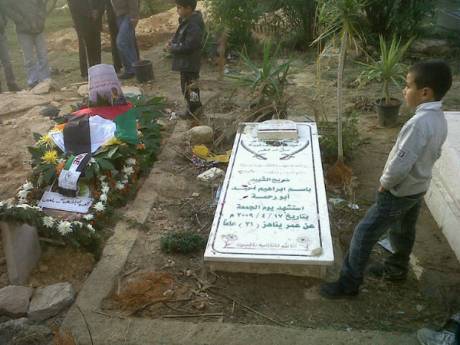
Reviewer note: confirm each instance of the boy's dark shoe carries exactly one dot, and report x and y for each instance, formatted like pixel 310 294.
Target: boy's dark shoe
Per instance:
pixel 31 86
pixel 378 270
pixel 336 290
pixel 13 87
pixel 125 76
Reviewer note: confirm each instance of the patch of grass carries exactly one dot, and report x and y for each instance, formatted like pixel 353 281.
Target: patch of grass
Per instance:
pixel 182 242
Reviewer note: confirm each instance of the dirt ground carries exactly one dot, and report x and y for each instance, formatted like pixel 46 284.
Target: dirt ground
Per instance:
pixel 429 295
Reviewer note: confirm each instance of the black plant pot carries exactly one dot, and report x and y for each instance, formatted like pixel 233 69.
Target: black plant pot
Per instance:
pixel 388 112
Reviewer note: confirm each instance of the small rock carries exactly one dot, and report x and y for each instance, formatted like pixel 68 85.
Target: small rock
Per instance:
pixel 131 91
pixel 201 135
pixel 29 334
pixel 14 300
pixel 11 328
pixel 50 300
pixel 211 175
pixel 83 90
pixel 44 87
pixel 195 195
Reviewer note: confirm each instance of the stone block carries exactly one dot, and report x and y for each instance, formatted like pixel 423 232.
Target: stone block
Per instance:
pixel 443 197
pixel 22 250
pixel 49 301
pixel 14 300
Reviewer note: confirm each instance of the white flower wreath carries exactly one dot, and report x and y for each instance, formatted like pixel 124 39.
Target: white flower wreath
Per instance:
pixel 65 227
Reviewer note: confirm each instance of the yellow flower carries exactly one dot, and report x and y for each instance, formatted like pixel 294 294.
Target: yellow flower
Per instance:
pixel 45 140
pixel 50 157
pixel 113 141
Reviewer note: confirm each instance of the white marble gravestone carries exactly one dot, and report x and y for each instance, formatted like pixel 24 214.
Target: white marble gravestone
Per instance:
pixel 272 215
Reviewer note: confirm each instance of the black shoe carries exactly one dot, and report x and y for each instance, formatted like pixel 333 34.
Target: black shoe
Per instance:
pixel 378 270
pixel 336 290
pixel 13 87
pixel 31 86
pixel 125 76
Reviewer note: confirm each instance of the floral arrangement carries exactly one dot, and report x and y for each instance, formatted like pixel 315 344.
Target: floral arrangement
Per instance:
pixel 110 178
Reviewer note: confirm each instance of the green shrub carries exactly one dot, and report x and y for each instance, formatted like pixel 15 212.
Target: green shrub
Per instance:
pixel 402 18
pixel 328 137
pixel 299 15
pixel 236 16
pixel 266 81
pixel 182 242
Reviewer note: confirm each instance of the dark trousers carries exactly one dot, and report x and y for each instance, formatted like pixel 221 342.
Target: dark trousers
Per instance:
pixel 5 61
pixel 190 89
pixel 113 29
pixel 89 34
pixel 399 215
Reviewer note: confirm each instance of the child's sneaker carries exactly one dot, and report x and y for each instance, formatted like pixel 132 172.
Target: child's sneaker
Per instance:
pixel 429 337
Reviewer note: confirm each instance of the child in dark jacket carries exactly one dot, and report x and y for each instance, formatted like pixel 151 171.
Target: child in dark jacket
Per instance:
pixel 186 47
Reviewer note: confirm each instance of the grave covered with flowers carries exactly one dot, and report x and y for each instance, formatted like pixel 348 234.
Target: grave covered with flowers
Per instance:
pixel 88 164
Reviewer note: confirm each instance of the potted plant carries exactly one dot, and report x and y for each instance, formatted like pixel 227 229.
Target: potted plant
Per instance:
pixel 388 69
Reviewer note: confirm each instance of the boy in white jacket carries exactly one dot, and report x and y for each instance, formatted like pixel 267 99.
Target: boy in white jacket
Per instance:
pixel 405 180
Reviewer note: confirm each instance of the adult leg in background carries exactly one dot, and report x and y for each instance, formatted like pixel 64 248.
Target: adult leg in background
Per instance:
pixel 113 29
pixel 27 43
pixel 126 44
pixel 6 62
pixel 42 56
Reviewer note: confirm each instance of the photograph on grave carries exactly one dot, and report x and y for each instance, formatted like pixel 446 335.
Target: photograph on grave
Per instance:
pixel 273 206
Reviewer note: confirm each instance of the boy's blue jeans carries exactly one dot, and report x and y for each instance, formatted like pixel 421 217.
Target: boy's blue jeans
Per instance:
pixel 399 214
pixel 126 43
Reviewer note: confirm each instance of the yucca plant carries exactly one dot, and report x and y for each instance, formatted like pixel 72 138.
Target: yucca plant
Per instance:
pixel 267 81
pixel 389 68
